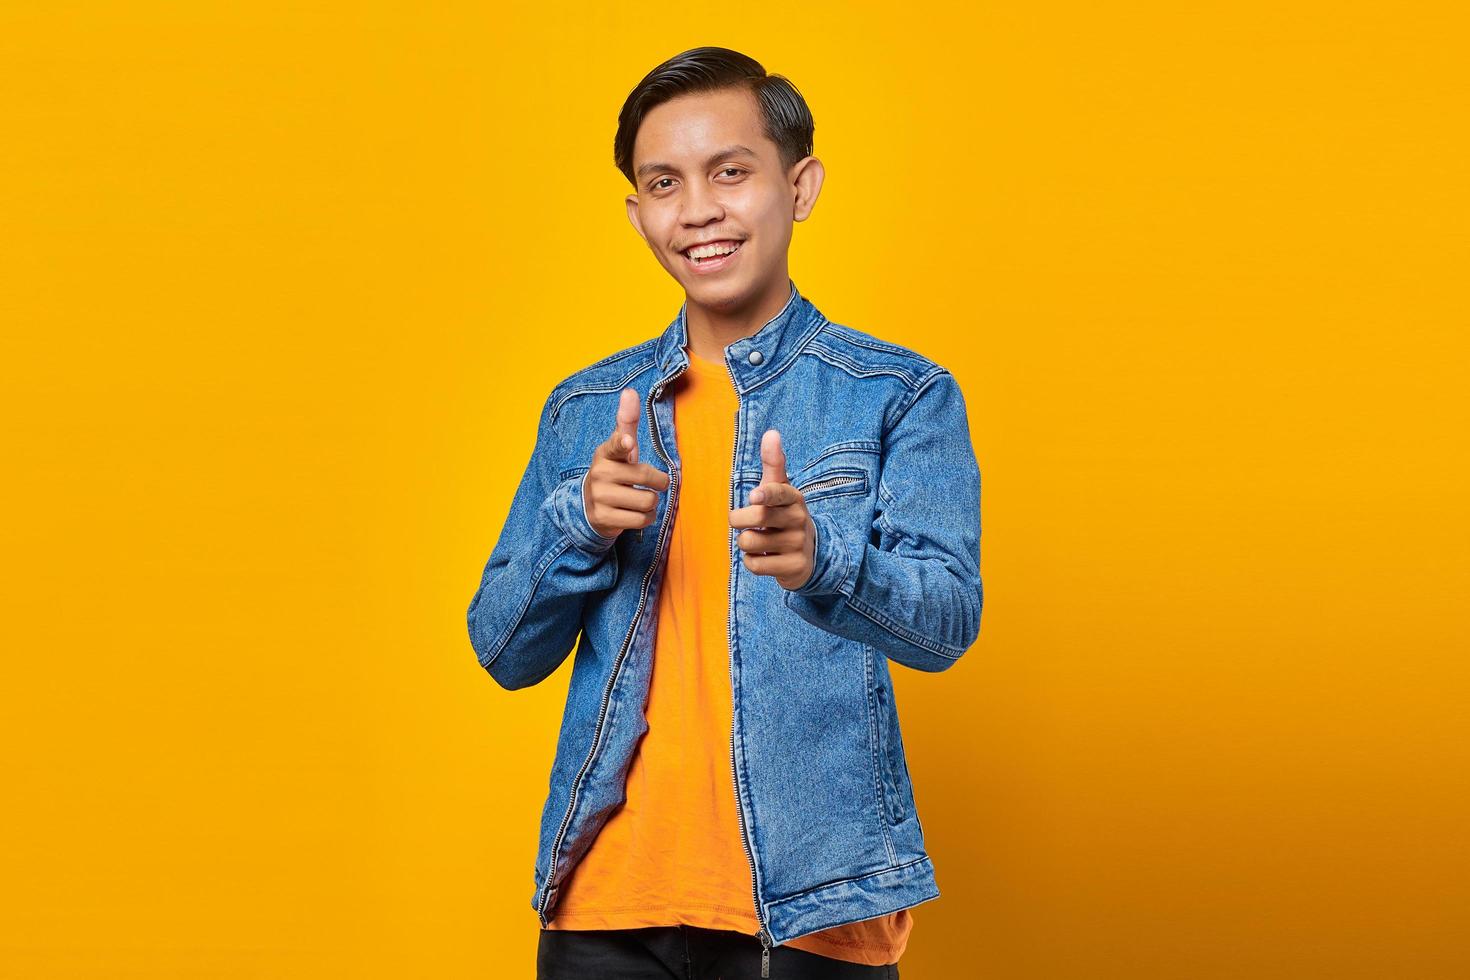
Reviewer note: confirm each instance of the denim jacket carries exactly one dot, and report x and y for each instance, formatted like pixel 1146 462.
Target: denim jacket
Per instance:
pixel 877 440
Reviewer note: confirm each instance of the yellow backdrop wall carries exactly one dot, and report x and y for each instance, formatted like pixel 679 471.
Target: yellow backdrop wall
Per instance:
pixel 282 287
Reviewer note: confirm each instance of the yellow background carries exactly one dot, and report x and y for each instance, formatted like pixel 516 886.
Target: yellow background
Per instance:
pixel 283 286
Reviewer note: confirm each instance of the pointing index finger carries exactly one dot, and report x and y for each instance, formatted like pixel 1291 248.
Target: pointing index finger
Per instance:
pixel 622 445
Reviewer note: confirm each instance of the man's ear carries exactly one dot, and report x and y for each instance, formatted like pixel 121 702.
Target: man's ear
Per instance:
pixel 806 180
pixel 632 203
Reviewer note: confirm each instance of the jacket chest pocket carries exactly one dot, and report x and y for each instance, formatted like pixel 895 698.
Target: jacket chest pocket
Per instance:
pixel 842 470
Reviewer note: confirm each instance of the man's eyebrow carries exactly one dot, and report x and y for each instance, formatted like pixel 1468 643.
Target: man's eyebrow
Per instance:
pixel 728 151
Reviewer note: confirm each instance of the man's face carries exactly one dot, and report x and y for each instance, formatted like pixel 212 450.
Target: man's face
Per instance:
pixel 706 172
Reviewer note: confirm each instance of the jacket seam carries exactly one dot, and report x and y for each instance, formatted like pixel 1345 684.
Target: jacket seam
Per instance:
pixel 877 748
pixel 848 446
pixel 843 881
pixel 590 388
pixel 923 386
pixel 888 733
pixel 855 338
pixel 885 497
pixel 499 645
pixel 877 617
pixel 856 368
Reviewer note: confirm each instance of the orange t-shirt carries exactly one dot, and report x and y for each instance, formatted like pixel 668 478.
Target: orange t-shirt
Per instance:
pixel 672 853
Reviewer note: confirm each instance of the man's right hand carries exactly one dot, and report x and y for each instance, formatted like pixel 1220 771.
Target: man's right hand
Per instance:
pixel 609 495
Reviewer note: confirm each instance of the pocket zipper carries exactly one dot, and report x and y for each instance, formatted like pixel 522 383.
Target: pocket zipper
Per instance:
pixel 831 481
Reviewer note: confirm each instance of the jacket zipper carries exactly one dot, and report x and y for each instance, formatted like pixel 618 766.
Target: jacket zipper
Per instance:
pixel 622 652
pixel 762 933
pixel 831 481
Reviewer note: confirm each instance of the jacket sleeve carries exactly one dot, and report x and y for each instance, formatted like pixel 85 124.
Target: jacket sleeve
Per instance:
pixel 526 614
pixel 916 593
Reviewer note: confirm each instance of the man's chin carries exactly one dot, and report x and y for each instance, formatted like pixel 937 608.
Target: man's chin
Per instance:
pixel 726 295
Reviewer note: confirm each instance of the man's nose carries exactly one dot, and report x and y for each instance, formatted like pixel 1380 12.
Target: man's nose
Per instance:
pixel 702 205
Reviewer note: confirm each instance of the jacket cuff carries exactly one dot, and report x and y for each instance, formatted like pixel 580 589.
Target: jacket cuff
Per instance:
pixel 569 504
pixel 833 569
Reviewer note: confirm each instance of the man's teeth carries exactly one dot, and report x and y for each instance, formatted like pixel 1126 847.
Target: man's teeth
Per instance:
pixel 709 251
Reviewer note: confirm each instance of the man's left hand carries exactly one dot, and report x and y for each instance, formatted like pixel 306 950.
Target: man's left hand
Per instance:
pixel 777 534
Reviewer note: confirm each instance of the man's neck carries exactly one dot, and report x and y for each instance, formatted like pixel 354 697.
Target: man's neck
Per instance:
pixel 711 331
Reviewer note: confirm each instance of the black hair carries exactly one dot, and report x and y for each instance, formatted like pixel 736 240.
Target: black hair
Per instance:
pixel 788 121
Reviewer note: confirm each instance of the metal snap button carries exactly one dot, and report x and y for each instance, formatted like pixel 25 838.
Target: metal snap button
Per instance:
pixel 756 357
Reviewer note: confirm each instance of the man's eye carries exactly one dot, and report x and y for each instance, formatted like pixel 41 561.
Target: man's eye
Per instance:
pixel 659 181
pixel 728 169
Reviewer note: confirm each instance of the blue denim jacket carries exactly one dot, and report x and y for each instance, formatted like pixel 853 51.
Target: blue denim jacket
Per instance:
pixel 877 439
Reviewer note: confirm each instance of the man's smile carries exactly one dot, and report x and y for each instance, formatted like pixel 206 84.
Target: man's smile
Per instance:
pixel 712 256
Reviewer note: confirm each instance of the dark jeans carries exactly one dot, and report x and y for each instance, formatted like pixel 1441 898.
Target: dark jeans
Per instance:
pixel 683 953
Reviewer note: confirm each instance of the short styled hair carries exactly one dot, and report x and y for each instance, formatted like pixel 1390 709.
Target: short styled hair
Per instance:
pixel 788 121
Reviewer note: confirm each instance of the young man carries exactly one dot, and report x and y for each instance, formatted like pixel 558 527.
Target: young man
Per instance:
pixel 730 792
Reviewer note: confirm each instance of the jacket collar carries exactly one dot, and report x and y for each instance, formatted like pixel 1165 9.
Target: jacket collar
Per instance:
pixel 750 359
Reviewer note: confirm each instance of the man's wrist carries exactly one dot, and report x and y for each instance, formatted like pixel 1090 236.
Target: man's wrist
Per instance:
pixel 571 509
pixel 831 564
